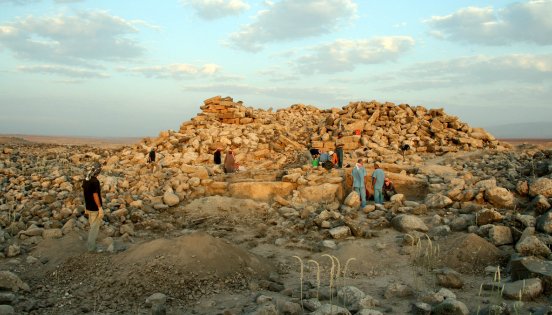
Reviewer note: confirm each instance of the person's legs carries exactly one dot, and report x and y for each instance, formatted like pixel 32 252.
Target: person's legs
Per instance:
pixel 362 197
pixel 95 224
pixel 378 196
pixel 362 193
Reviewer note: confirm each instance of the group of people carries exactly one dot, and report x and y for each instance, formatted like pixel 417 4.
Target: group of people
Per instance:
pixel 327 160
pixel 381 185
pixel 230 165
pixel 330 159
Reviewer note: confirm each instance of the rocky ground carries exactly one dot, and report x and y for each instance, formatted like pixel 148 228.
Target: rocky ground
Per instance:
pixel 470 231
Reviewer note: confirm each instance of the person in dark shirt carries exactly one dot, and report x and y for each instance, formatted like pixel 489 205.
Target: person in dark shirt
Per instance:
pixel 388 189
pixel 218 156
pixel 339 150
pixel 151 156
pixel 93 203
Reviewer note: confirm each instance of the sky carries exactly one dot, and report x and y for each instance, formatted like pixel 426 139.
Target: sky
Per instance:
pixel 132 68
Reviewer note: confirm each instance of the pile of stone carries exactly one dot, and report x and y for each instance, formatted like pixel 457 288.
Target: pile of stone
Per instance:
pixel 224 110
pixel 386 125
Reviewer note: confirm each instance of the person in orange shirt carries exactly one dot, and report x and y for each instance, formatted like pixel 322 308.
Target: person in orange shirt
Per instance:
pixel 333 158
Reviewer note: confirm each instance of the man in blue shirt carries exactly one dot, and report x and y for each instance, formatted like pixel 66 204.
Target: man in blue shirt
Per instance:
pixel 323 157
pixel 378 178
pixel 359 182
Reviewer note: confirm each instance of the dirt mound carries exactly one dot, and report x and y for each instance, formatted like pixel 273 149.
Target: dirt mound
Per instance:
pixel 186 268
pixel 468 252
pixel 215 256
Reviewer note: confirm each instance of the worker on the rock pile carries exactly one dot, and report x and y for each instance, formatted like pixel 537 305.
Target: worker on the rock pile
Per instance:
pixel 378 177
pixel 324 157
pixel 217 156
pixel 388 189
pixel 230 165
pixel 339 150
pixel 333 158
pixel 151 156
pixel 93 203
pixel 359 181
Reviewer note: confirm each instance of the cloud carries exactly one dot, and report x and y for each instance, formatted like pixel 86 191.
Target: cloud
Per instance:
pixel 216 9
pixel 174 71
pixel 519 22
pixel 78 39
pixel 345 55
pixel 74 72
pixel 293 19
pixel 19 2
pixel 26 2
pixel 477 70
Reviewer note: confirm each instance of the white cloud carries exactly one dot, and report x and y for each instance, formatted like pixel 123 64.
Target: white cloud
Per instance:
pixel 519 22
pixel 26 2
pixel 64 71
pixel 19 2
pixel 175 71
pixel 216 9
pixel 345 55
pixel 476 70
pixel 79 39
pixel 293 19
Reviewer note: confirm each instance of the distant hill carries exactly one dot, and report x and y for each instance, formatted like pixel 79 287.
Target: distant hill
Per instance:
pixel 536 130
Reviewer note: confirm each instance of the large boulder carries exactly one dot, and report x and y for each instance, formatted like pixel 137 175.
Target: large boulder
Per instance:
pixel 532 246
pixel 541 186
pixel 500 197
pixel 500 235
pixel 170 199
pixel 261 191
pixel 407 223
pixel 526 289
pixel 11 281
pixel 544 223
pixel 352 200
pixel 437 201
pixel 320 193
pixel 468 253
pixel 532 267
pixel 195 171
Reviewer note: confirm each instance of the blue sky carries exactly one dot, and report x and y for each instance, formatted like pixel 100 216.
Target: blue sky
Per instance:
pixel 134 68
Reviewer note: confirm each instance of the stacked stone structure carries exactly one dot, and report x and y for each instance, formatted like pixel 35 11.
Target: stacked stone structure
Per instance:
pixel 225 110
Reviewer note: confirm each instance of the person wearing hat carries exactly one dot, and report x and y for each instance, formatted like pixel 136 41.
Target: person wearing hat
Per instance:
pixel 93 203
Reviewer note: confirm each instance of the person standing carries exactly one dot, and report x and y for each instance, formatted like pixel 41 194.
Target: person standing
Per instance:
pixel 359 182
pixel 151 156
pixel 339 150
pixel 230 165
pixel 378 177
pixel 93 203
pixel 218 156
pixel 333 158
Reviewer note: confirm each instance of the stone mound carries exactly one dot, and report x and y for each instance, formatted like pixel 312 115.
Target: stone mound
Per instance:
pixel 468 252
